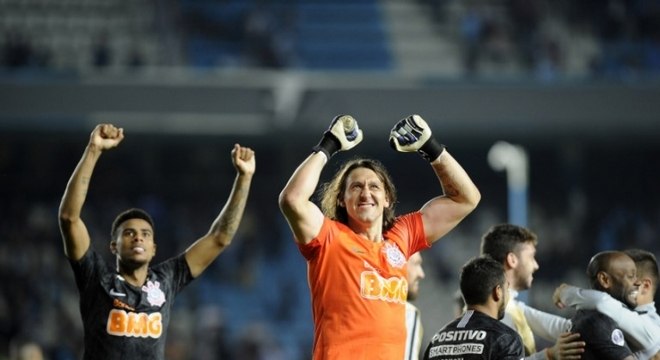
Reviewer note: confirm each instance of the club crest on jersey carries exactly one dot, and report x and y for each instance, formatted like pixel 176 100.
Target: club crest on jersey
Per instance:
pixel 394 256
pixel 617 337
pixel 155 296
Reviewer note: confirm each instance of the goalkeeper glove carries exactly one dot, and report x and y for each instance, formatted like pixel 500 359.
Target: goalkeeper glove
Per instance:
pixel 343 134
pixel 414 134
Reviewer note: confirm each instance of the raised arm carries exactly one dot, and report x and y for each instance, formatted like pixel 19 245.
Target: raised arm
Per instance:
pixel 203 251
pixel 73 229
pixel 545 325
pixel 304 217
pixel 460 195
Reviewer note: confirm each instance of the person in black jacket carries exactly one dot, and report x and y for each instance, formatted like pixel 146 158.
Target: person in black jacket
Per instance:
pixel 478 334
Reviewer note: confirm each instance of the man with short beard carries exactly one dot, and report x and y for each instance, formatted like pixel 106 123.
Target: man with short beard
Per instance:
pixel 514 247
pixel 478 334
pixel 641 326
pixel 615 273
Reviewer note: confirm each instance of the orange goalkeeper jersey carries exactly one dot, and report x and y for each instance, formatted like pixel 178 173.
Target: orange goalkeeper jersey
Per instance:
pixel 359 289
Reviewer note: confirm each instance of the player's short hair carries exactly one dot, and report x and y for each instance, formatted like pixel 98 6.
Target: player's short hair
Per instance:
pixel 129 214
pixel 479 276
pixel 599 262
pixel 334 189
pixel 647 265
pixel 502 239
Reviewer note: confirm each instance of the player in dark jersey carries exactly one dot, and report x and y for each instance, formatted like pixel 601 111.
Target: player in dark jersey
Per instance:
pixel 479 334
pixel 641 326
pixel 126 310
pixel 615 273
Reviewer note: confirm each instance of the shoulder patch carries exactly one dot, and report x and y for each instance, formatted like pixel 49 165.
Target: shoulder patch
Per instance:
pixel 617 337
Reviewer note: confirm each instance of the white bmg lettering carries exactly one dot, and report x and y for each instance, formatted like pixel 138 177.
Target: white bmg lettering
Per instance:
pixel 458 349
pixel 461 335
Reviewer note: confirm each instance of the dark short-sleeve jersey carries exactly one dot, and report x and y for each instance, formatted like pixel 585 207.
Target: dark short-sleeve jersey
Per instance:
pixel 604 340
pixel 475 336
pixel 122 321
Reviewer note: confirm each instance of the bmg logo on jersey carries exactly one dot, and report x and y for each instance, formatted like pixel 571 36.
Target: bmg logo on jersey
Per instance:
pixel 131 324
pixel 376 287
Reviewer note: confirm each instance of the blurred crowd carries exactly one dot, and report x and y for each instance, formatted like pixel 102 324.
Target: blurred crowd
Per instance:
pixel 557 39
pixel 543 39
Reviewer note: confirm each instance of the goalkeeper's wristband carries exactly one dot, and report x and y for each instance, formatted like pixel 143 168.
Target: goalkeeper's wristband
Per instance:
pixel 431 149
pixel 329 145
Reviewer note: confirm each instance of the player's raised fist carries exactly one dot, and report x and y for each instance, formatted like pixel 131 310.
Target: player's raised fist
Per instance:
pixel 409 134
pixel 413 134
pixel 343 134
pixel 106 136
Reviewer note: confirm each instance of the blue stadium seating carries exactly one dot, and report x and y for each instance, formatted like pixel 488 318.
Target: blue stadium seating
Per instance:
pixel 326 34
